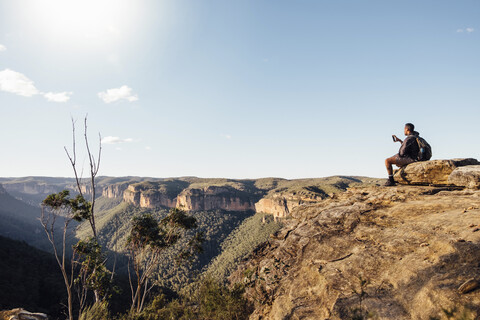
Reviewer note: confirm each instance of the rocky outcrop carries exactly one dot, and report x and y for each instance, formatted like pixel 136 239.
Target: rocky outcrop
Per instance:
pixel 156 199
pixel 434 172
pixel 149 198
pixel 280 206
pixel 215 198
pixel 405 252
pixel 276 206
pixel 468 176
pixel 21 314
pixel 115 191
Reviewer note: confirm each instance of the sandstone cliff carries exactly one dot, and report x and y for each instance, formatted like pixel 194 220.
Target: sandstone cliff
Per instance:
pixel 385 253
pixel 115 191
pixel 289 194
pixel 216 198
pixel 280 206
pixel 268 195
pixel 159 194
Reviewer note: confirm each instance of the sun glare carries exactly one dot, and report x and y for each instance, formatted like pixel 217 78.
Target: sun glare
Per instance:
pixel 81 22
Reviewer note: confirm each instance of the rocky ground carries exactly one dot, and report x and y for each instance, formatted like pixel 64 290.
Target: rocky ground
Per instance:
pixel 402 252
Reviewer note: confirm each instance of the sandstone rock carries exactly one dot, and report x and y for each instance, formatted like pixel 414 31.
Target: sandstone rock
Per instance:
pixel 370 240
pixel 434 172
pixel 114 191
pixel 276 206
pixel 150 198
pixel 215 197
pixel 468 176
pixel 280 206
pixel 21 314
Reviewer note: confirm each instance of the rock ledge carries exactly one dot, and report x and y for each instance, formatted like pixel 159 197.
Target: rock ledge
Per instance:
pixel 438 172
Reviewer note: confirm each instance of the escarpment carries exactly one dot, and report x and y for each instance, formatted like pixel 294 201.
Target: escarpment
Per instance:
pixel 216 197
pixel 402 252
pixel 160 194
pixel 268 195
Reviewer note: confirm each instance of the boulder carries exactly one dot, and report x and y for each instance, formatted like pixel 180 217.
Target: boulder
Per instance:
pixel 434 172
pixel 468 176
pixel 21 314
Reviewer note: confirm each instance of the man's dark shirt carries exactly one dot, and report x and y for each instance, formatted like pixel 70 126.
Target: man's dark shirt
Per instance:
pixel 409 147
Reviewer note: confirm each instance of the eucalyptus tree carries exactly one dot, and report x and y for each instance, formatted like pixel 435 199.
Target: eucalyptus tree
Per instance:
pixel 146 242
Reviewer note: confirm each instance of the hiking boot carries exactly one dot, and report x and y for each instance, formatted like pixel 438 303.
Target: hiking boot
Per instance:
pixel 389 183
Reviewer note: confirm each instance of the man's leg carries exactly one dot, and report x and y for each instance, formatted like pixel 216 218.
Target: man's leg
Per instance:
pixel 388 164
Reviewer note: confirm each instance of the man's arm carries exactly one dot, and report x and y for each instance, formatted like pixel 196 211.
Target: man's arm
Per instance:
pixel 396 139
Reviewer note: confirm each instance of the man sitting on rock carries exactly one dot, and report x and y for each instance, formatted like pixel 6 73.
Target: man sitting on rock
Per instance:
pixel 407 154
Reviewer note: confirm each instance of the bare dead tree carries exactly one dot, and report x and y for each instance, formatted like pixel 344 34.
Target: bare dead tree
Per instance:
pixel 94 165
pixel 97 267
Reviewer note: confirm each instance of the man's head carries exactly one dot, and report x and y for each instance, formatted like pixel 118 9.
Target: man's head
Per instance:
pixel 409 128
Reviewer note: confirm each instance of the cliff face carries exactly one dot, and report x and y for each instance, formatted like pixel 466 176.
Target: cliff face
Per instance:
pixel 280 206
pixel 152 195
pixel 152 199
pixel 269 195
pixel 214 197
pixel 391 253
pixel 114 191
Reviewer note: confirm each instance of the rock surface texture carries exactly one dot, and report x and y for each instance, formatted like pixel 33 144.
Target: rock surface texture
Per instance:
pixel 387 253
pixel 468 176
pixel 21 314
pixel 434 172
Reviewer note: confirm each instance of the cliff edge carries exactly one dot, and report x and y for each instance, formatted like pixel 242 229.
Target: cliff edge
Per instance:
pixel 405 252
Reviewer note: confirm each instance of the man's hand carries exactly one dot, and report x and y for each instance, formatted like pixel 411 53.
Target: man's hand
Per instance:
pixel 395 139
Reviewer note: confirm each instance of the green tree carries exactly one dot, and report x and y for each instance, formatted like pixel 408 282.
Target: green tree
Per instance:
pixel 148 238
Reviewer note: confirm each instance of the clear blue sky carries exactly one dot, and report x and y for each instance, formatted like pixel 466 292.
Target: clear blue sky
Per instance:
pixel 239 89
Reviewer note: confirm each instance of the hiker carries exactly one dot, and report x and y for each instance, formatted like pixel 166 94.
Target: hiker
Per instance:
pixel 407 154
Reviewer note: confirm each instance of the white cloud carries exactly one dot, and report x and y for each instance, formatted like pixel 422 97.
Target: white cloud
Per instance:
pixel 115 140
pixel 115 94
pixel 17 83
pixel 58 96
pixel 2 48
pixel 148 148
pixel 467 30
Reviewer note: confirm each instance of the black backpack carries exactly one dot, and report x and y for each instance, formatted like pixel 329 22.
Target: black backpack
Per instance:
pixel 425 151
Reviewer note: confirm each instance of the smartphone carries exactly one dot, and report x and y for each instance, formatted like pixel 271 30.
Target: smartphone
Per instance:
pixel 393 138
